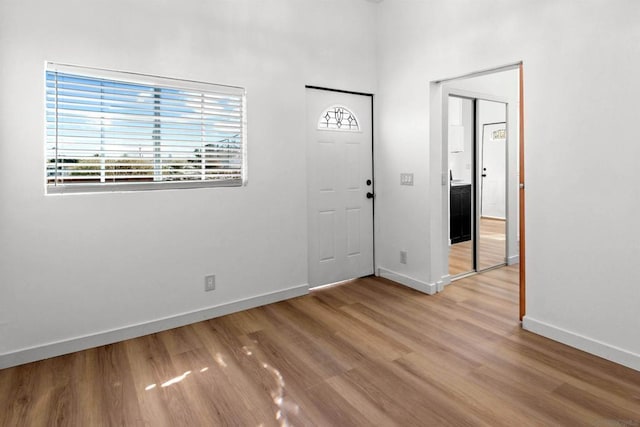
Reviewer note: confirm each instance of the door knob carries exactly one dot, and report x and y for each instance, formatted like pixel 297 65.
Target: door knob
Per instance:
pixel 370 195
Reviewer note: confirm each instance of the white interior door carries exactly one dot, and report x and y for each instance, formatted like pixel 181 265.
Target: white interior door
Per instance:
pixel 491 235
pixel 339 165
pixel 493 163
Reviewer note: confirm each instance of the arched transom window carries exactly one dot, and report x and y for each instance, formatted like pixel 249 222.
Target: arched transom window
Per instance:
pixel 338 117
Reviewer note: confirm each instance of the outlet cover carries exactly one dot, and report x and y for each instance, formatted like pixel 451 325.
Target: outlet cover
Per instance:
pixel 403 257
pixel 209 282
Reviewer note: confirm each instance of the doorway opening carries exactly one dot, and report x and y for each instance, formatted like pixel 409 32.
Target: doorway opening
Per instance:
pixel 473 144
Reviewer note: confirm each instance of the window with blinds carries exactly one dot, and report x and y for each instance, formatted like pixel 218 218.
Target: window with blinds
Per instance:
pixel 112 131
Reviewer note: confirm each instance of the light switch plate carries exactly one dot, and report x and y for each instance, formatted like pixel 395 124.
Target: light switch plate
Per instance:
pixel 406 179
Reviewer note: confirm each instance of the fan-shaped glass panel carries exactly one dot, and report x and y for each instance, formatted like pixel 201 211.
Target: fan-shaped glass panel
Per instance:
pixel 338 117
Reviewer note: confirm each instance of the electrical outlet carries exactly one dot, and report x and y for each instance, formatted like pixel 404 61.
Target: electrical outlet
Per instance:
pixel 403 257
pixel 209 283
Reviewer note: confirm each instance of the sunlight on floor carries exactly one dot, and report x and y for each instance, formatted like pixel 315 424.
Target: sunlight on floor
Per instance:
pixel 176 379
pixel 284 408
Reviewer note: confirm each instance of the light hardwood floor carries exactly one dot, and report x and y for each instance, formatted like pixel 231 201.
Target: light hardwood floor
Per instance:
pixel 491 248
pixel 367 353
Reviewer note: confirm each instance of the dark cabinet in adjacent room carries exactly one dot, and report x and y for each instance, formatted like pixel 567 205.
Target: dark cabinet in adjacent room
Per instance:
pixel 460 212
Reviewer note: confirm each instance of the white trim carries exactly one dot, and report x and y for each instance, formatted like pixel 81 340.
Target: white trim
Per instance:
pixel 138 78
pixel 514 259
pixel 445 281
pixel 481 73
pixel 590 345
pixel 427 288
pixel 469 94
pixel 59 348
pixel 495 218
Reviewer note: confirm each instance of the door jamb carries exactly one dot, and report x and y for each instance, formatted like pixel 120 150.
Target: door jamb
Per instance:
pixel 521 194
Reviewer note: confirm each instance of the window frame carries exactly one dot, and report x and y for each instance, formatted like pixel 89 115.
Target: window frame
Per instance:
pixel 152 81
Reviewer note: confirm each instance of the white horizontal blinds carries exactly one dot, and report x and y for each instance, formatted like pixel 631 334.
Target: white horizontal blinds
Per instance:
pixel 110 131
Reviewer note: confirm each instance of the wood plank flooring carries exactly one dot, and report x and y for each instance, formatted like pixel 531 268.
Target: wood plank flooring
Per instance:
pixel 366 353
pixel 461 258
pixel 491 248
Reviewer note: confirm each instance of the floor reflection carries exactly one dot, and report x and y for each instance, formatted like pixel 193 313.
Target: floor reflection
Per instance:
pixel 284 407
pixel 176 379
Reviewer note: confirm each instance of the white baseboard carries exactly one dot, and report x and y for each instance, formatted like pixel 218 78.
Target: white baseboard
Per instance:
pixel 427 288
pixel 598 348
pixel 59 348
pixel 513 259
pixel 444 281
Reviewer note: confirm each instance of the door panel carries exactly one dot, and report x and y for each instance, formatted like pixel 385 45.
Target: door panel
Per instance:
pixel 492 219
pixel 339 159
pixel 325 166
pixel 354 174
pixel 326 240
pixel 353 231
pixel 461 151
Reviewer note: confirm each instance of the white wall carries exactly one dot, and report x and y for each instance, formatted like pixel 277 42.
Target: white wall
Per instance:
pixel 78 265
pixel 580 70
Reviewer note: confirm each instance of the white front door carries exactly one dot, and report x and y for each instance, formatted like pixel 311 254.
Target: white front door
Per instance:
pixel 339 168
